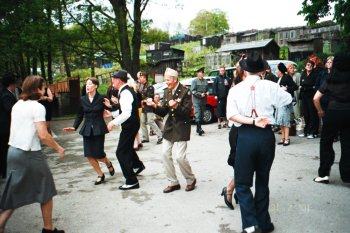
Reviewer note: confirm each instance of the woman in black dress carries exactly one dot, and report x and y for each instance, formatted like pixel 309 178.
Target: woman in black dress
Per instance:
pixel 94 128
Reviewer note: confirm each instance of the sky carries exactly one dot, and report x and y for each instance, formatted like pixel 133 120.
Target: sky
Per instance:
pixel 242 14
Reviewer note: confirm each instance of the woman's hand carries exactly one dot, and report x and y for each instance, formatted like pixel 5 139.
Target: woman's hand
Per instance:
pixel 262 122
pixel 107 103
pixel 60 150
pixel 69 129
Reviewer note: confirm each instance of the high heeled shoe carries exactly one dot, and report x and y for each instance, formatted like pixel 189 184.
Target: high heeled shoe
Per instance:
pixel 286 142
pixel 225 193
pixel 281 142
pixel 100 179
pixel 236 198
pixel 111 172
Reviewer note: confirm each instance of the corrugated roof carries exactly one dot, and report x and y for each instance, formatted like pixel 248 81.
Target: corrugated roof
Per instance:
pixel 244 45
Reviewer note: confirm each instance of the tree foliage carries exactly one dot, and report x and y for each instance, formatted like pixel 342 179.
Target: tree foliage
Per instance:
pixel 209 23
pixel 154 35
pixel 314 10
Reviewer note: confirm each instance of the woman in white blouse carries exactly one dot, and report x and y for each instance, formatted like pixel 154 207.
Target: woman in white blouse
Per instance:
pixel 29 179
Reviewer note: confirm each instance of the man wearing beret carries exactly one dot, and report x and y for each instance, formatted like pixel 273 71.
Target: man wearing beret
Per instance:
pixel 7 100
pixel 127 116
pixel 199 89
pixel 251 108
pixel 177 104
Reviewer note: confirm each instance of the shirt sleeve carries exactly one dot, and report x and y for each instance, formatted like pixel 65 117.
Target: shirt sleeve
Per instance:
pixel 125 101
pixel 39 113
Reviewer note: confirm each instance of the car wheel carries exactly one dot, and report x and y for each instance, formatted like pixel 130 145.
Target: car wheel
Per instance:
pixel 208 115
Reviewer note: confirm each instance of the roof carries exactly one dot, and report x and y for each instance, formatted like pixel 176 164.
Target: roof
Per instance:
pixel 244 45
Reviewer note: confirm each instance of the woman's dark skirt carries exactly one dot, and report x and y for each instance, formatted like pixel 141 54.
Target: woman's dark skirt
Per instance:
pixel 29 179
pixel 94 146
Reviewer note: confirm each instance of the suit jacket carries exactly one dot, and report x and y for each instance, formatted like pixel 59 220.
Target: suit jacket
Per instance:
pixel 7 100
pixel 147 92
pixel 288 82
pixel 178 124
pixel 94 124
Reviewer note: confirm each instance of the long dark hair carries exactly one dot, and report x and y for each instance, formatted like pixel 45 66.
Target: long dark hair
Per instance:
pixel 31 86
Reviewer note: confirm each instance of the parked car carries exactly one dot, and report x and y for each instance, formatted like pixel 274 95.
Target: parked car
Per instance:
pixel 274 63
pixel 229 72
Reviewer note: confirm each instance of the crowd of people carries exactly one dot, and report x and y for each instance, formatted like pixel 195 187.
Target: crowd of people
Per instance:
pixel 254 100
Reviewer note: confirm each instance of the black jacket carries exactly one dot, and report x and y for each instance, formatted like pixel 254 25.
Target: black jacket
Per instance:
pixel 94 123
pixel 7 100
pixel 288 82
pixel 307 85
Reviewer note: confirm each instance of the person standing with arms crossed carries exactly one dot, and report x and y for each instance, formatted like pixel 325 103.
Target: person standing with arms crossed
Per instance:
pixel 199 89
pixel 221 87
pixel 177 104
pixel 251 109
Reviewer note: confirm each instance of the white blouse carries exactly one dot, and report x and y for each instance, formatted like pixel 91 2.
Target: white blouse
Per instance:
pixel 23 134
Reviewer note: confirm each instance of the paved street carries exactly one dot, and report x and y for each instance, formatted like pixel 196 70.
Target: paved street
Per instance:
pixel 297 204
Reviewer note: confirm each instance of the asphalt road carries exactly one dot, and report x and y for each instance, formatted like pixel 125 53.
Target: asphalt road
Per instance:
pixel 297 204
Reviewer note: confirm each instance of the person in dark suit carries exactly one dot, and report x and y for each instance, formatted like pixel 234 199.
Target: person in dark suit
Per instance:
pixel 7 100
pixel 94 128
pixel 177 104
pixel 127 116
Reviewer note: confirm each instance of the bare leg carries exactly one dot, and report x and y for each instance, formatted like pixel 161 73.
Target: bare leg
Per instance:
pixel 286 132
pixel 106 161
pixel 230 188
pixel 46 212
pixel 283 132
pixel 4 216
pixel 94 163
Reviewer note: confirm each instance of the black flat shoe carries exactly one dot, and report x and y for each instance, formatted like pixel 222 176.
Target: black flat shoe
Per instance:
pixel 111 172
pixel 236 198
pixel 281 142
pixel 52 231
pixel 100 179
pixel 224 193
pixel 286 142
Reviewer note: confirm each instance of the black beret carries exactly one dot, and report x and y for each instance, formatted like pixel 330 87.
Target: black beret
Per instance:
pixel 282 67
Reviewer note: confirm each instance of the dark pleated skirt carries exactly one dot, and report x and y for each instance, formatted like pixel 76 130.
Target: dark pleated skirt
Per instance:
pixel 29 179
pixel 94 146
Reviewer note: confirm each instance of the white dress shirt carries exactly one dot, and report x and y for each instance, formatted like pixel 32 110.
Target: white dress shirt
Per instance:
pixel 268 96
pixel 125 102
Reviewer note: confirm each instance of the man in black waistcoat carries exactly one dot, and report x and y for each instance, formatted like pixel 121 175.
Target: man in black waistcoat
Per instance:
pixel 127 116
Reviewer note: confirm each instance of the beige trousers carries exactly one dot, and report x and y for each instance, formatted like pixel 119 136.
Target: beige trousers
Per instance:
pixel 148 119
pixel 179 149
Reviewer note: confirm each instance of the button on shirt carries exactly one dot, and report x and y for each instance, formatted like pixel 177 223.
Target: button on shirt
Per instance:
pixel 268 95
pixel 125 102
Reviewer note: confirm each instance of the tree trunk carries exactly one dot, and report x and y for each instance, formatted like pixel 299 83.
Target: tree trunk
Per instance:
pixel 136 39
pixel 42 63
pixel 49 43
pixel 63 47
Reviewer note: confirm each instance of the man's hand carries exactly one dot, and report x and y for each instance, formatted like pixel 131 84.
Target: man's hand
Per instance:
pixel 173 104
pixel 110 126
pixel 107 103
pixel 262 122
pixel 150 102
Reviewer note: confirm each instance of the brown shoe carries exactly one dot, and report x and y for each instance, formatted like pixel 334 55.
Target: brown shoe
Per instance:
pixel 190 187
pixel 170 189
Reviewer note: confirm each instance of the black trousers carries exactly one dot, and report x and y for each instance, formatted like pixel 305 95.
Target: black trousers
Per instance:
pixel 335 121
pixel 4 140
pixel 310 116
pixel 232 138
pixel 255 154
pixel 126 154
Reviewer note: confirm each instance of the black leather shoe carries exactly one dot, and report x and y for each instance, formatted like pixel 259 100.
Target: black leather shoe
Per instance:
pixel 145 141
pixel 129 186
pixel 271 229
pixel 100 179
pixel 111 172
pixel 253 229
pixel 139 170
pixel 224 193
pixel 52 231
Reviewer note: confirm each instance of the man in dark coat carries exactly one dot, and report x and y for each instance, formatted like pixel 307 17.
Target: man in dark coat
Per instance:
pixel 177 104
pixel 7 100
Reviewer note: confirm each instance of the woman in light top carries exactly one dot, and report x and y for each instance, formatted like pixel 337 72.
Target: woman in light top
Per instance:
pixel 29 179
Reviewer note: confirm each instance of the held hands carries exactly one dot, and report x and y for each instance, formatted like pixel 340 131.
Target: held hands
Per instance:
pixel 69 129
pixel 262 122
pixel 173 104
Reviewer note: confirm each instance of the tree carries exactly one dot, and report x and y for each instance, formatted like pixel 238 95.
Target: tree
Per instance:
pixel 314 10
pixel 209 23
pixel 154 35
